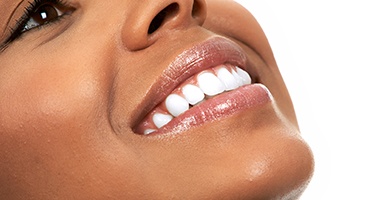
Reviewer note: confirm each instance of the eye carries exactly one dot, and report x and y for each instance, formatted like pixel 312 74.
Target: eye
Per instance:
pixel 38 14
pixel 42 15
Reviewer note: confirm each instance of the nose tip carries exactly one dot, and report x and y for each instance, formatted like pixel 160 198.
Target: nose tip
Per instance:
pixel 154 19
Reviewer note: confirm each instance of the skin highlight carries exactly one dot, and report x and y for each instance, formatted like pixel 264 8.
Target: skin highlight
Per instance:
pixel 70 94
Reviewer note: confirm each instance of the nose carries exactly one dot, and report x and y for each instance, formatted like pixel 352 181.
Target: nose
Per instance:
pixel 152 19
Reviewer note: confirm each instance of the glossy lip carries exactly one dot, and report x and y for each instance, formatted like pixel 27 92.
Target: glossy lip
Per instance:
pixel 219 107
pixel 210 53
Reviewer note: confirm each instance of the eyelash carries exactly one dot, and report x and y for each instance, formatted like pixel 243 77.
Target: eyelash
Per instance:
pixel 20 27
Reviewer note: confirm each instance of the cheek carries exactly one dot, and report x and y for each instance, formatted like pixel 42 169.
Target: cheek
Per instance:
pixel 44 96
pixel 54 127
pixel 229 18
pixel 45 104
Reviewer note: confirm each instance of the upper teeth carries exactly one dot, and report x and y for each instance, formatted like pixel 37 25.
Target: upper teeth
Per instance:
pixel 176 104
pixel 206 84
pixel 210 84
pixel 193 94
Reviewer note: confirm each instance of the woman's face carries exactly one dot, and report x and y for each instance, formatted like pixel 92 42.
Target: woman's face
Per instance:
pixel 143 100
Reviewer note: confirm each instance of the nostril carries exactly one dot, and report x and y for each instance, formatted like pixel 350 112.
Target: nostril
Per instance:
pixel 161 17
pixel 197 9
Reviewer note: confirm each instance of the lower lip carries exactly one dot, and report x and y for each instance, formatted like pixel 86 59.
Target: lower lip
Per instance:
pixel 219 107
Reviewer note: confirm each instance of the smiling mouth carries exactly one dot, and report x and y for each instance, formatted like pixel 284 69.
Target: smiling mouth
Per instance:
pixel 197 89
pixel 206 83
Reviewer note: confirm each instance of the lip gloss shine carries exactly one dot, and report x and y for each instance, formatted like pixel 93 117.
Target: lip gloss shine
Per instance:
pixel 206 55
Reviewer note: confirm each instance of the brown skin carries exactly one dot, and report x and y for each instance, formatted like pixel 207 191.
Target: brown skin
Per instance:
pixel 69 93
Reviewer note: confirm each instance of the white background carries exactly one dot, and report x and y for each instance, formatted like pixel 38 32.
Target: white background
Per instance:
pixel 325 51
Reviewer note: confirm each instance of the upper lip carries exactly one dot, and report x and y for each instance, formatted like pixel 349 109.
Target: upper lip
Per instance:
pixel 207 54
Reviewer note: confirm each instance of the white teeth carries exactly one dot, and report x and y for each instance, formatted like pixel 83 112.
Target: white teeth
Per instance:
pixel 227 78
pixel 246 79
pixel 210 84
pixel 149 131
pixel 193 94
pixel 161 120
pixel 176 105
pixel 238 78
